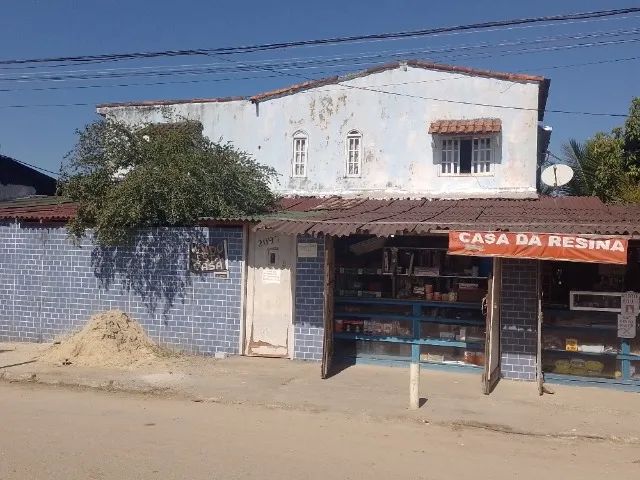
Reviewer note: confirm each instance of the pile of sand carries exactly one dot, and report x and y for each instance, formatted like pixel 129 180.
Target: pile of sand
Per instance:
pixel 109 339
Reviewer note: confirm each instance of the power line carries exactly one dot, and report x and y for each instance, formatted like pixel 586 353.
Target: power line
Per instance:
pixel 376 90
pixel 231 79
pixel 460 102
pixel 325 41
pixel 36 167
pixel 489 30
pixel 148 70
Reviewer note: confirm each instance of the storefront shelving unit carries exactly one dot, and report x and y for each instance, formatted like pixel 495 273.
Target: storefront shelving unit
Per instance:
pixel 397 302
pixel 416 333
pixel 584 325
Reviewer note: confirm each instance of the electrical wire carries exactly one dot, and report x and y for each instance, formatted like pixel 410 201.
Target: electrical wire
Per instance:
pixel 35 166
pixel 325 41
pixel 194 69
pixel 213 80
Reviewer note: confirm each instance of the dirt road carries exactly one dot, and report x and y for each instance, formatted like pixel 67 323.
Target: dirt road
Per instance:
pixel 55 433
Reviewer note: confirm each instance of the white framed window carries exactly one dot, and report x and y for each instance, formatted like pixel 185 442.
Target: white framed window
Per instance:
pixel 450 163
pixel 354 153
pixel 481 155
pixel 300 156
pixel 466 155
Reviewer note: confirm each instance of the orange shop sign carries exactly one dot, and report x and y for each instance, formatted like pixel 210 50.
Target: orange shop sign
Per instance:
pixel 542 246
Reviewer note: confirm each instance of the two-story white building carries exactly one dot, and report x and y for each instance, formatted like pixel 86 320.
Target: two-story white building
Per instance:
pixel 398 184
pixel 421 133
pixel 407 129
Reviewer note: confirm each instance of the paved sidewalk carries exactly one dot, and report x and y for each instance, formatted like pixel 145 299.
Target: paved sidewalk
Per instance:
pixel 370 392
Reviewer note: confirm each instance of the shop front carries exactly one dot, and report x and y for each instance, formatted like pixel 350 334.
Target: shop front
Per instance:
pixel 479 285
pixel 589 327
pixel 395 296
pixel 588 301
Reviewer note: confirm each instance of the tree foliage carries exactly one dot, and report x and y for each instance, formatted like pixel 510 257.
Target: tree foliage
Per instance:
pixel 125 179
pixel 607 165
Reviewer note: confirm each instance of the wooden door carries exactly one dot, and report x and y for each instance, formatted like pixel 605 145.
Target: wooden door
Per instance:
pixel 329 281
pixel 539 374
pixel 491 374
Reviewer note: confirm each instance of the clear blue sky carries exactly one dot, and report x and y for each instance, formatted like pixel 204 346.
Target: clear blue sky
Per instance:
pixel 42 135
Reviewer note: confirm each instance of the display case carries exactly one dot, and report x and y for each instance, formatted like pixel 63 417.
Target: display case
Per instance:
pixel 595 301
pixel 399 301
pixel 580 325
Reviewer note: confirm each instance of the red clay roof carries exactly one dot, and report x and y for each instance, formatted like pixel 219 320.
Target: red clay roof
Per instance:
pixel 512 77
pixel 340 217
pixel 38 209
pixel 465 127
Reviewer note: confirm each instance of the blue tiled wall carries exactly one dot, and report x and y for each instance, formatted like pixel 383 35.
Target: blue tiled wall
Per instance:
pixel 519 320
pixel 309 304
pixel 49 286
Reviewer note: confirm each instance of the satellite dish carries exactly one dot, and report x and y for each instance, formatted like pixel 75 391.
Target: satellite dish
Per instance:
pixel 557 175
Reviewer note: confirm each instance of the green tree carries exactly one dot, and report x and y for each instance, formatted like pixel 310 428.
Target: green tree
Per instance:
pixel 124 179
pixel 607 165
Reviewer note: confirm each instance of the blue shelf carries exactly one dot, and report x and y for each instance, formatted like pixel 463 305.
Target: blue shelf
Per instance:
pixel 620 356
pixel 563 312
pixel 579 327
pixel 629 356
pixel 407 340
pixel 397 301
pixel 425 319
pixel 604 354
pixel 396 361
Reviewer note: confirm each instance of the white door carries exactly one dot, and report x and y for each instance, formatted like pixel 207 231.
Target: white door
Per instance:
pixel 271 271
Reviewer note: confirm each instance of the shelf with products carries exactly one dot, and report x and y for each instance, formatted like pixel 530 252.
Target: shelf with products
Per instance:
pixel 580 310
pixel 418 341
pixel 407 297
pixel 432 356
pixel 580 364
pixel 408 302
pixel 458 328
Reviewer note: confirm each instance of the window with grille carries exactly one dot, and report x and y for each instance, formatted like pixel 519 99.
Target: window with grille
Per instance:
pixel 481 159
pixel 354 154
pixel 460 156
pixel 299 154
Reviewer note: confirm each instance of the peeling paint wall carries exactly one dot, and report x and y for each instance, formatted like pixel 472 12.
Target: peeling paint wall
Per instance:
pixel 398 156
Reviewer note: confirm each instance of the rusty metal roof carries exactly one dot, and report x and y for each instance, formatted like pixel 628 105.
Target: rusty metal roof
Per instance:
pixel 466 127
pixel 299 87
pixel 338 216
pixel 38 209
pixel 579 215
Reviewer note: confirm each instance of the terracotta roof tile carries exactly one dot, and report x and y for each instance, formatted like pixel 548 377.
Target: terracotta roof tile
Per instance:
pixel 466 127
pixel 38 209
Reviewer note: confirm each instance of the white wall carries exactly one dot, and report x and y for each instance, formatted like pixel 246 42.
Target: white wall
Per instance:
pixel 398 159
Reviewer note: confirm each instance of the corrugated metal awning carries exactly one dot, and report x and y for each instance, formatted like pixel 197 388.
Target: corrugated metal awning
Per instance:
pixel 578 215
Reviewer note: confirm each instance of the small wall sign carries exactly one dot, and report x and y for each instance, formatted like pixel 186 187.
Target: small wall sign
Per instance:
pixel 627 319
pixel 626 326
pixel 209 258
pixel 271 275
pixel 307 250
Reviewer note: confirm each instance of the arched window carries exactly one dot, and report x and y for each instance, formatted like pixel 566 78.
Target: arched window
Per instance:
pixel 354 153
pixel 300 146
